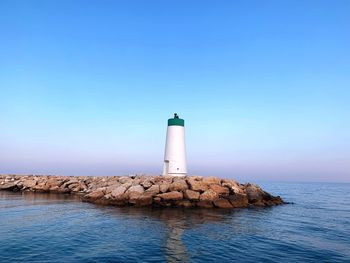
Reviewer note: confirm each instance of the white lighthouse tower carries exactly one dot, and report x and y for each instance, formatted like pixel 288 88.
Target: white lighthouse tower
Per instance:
pixel 175 151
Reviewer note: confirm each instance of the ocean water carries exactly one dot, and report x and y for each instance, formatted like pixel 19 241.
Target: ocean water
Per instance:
pixel 56 228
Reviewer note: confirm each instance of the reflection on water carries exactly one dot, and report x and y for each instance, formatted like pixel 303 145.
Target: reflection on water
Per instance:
pixel 31 198
pixel 177 220
pixel 37 227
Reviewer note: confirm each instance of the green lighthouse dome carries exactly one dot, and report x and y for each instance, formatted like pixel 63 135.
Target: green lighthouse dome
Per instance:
pixel 176 121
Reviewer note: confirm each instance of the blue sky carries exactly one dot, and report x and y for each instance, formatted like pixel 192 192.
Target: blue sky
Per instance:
pixel 86 87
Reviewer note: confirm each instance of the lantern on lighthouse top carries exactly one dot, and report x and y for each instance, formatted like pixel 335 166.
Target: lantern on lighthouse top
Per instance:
pixel 175 150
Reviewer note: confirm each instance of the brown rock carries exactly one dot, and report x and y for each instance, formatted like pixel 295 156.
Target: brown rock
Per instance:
pixel 7 186
pixel 63 190
pixel 233 185
pixel 229 181
pixel 191 195
pixel 164 187
pixel 220 190
pixel 73 186
pixel 164 178
pixel 134 192
pixel 136 188
pixel 51 182
pixel 80 187
pixel 127 185
pixel 196 177
pixel 29 183
pixel 197 185
pixel 179 185
pixel 238 200
pixel 144 199
pixel 153 190
pixel 118 193
pixel 72 181
pixel 174 195
pixel 136 181
pixel 211 180
pixel 209 195
pixel 222 203
pixel 41 187
pixel 125 179
pixel 97 194
pixel 147 183
pixel 254 193
pixel 273 200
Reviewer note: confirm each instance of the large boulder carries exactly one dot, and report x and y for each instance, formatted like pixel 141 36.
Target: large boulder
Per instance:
pixel 197 185
pixel 29 183
pixel 52 182
pixel 222 203
pixel 118 193
pixel 153 190
pixel 134 192
pixel 254 193
pixel 233 185
pixel 179 185
pixel 274 200
pixel 144 199
pixel 163 178
pixel 174 195
pixel 136 181
pixel 125 179
pixel 80 187
pixel 239 200
pixel 209 195
pixel 220 190
pixel 40 187
pixel 136 189
pixel 7 185
pixel 95 195
pixel 147 182
pixel 164 187
pixel 191 195
pixel 211 180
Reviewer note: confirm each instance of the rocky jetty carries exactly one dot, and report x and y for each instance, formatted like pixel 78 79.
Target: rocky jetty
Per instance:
pixel 144 190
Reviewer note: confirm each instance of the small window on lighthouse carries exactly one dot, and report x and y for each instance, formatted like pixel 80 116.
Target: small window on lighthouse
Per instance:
pixel 177 168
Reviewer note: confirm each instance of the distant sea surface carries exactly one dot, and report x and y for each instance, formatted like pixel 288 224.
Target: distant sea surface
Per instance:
pixel 60 228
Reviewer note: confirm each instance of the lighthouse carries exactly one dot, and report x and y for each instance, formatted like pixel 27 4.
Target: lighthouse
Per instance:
pixel 175 151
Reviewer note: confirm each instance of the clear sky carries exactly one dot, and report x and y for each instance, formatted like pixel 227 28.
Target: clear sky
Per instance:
pixel 86 87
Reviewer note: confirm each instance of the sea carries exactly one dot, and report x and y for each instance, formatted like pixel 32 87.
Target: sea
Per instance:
pixel 313 227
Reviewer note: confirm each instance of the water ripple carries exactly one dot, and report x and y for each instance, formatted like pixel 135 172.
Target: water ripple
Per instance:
pixel 56 228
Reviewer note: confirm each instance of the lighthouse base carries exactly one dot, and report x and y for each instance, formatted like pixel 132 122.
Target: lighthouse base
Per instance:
pixel 177 174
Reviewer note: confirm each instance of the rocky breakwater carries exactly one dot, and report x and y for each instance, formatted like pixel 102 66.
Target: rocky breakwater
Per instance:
pixel 142 190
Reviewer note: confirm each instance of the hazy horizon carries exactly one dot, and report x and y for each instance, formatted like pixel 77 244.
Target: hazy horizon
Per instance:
pixel 86 87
